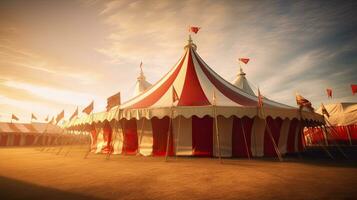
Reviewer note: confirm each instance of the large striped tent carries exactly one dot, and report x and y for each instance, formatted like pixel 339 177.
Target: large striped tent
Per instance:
pixel 210 116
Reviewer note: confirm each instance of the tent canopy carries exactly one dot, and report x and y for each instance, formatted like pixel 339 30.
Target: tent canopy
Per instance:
pixel 341 114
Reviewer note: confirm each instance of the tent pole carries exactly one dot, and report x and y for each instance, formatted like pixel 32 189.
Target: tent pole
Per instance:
pixel 324 131
pixel 111 143
pixel 169 134
pixel 337 145
pixel 348 135
pixel 273 141
pixel 178 135
pixel 245 139
pixel 217 133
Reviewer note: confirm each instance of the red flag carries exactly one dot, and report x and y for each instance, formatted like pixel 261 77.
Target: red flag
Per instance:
pixel 244 60
pixel 193 29
pixel 89 108
pixel 60 116
pixel 113 101
pixel 260 99
pixel 14 117
pixel 75 114
pixel 302 102
pixel 52 120
pixel 329 93
pixel 354 89
pixel 175 96
pixel 33 117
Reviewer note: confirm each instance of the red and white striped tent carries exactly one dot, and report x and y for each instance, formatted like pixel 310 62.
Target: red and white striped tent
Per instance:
pixel 209 110
pixel 22 134
pixel 341 125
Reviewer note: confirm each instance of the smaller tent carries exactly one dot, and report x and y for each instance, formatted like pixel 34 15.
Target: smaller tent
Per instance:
pixel 242 82
pixel 141 84
pixel 341 125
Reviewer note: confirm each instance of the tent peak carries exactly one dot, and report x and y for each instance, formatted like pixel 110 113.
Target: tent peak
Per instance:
pixel 190 43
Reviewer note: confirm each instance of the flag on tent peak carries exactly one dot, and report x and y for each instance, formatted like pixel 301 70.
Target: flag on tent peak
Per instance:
pixel 354 89
pixel 260 99
pixel 14 117
pixel 303 102
pixel 113 100
pixel 175 96
pixel 89 108
pixel 60 116
pixel 194 29
pixel 329 93
pixel 33 117
pixel 244 60
pixel 324 111
pixel 75 114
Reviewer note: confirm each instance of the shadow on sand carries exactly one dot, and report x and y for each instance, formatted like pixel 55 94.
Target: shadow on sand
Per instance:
pixel 15 189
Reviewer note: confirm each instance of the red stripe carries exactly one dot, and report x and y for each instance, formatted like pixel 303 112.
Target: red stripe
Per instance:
pixel 291 136
pixel 226 91
pixel 275 126
pixel 130 145
pixel 202 136
pixel 192 93
pixel 160 128
pixel 159 92
pixel 239 148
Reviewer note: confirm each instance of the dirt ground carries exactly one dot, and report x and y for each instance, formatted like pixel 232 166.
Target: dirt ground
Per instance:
pixel 36 173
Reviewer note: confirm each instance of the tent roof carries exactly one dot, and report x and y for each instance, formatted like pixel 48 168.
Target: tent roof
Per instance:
pixel 196 84
pixel 341 113
pixel 141 84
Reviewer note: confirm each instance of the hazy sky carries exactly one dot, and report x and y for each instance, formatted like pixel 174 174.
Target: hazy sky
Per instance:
pixel 56 55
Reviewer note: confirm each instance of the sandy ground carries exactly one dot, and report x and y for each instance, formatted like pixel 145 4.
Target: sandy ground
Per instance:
pixel 29 173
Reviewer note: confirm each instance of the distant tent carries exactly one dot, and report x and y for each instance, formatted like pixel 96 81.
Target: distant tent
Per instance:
pixel 341 125
pixel 241 82
pixel 141 84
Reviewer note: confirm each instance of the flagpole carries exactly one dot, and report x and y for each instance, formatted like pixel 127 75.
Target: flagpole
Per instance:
pixel 169 133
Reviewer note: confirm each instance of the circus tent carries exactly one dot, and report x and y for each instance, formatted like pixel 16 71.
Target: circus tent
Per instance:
pixel 210 117
pixel 22 134
pixel 141 83
pixel 341 122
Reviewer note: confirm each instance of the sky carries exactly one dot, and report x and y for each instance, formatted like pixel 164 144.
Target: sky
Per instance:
pixel 58 55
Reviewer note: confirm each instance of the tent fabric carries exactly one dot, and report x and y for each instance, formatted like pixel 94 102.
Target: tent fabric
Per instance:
pixel 145 133
pixel 225 127
pixel 283 137
pixel 161 131
pixel 241 82
pixel 182 132
pixel 341 114
pixel 202 136
pixel 130 146
pixel 274 126
pixel 241 137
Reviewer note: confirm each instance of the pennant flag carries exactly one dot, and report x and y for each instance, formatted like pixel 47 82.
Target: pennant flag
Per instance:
pixel 193 29
pixel 324 111
pixel 33 117
pixel 75 114
pixel 244 60
pixel 89 108
pixel 260 99
pixel 14 117
pixel 214 98
pixel 175 96
pixel 329 93
pixel 46 119
pixel 354 89
pixel 114 100
pixel 60 116
pixel 52 120
pixel 302 102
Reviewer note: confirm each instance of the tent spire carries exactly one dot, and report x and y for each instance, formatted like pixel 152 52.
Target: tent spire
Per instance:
pixel 190 43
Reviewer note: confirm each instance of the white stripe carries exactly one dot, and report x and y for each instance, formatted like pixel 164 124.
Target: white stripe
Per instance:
pixel 145 136
pixel 208 87
pixel 257 137
pixel 182 131
pixel 117 138
pixel 166 99
pixel 283 139
pixel 225 127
